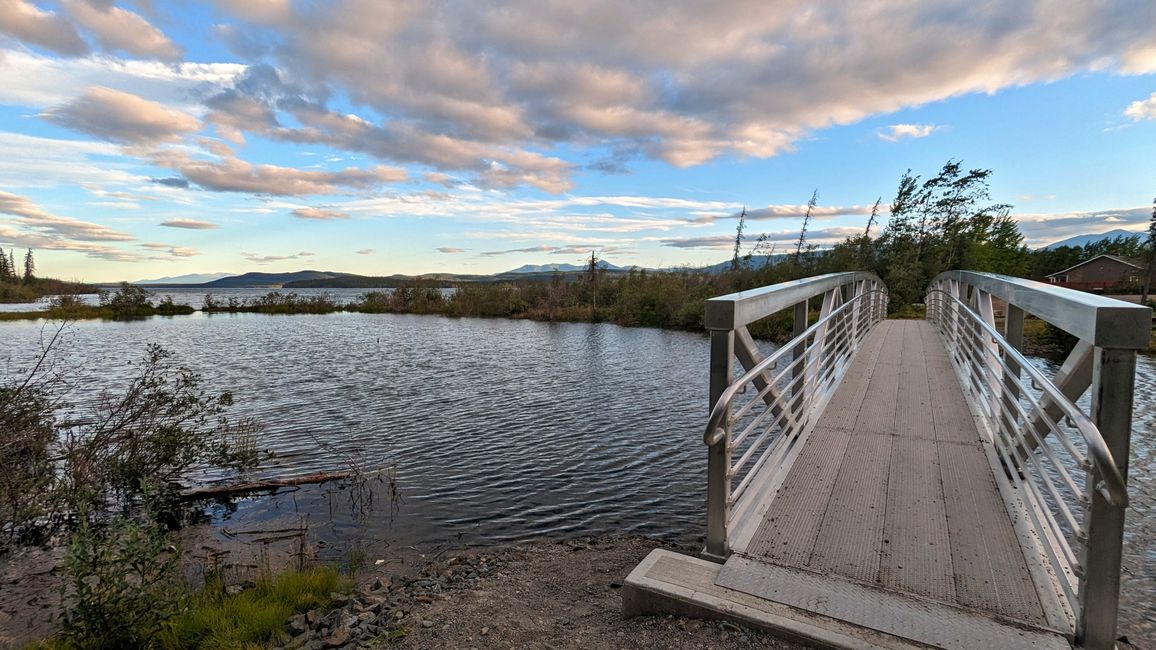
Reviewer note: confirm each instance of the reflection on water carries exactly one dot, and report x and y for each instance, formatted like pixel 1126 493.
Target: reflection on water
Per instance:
pixel 194 297
pixel 500 430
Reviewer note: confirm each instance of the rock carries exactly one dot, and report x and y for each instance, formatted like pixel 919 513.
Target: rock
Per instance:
pixel 233 590
pixel 427 623
pixel 313 617
pixel 338 638
pixel 424 599
pixel 485 631
pixel 296 625
pixel 381 582
pixel 338 600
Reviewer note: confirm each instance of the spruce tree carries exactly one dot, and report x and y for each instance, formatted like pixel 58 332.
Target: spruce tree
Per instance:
pixel 29 267
pixel 3 266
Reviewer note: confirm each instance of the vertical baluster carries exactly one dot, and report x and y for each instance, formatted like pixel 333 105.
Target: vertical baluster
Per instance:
pixel 1113 377
pixel 718 487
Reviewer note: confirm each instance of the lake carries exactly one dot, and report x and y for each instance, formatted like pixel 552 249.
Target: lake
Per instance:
pixel 499 430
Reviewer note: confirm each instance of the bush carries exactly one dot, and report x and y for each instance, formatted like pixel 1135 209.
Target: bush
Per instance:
pixel 123 583
pixel 129 301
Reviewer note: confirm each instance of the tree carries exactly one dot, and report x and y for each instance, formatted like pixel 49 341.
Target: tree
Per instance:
pixel 593 271
pixel 735 260
pixel 3 266
pixel 1151 270
pixel 806 221
pixel 29 267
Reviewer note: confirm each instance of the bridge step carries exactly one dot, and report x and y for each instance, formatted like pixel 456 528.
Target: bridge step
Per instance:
pixel 815 610
pixel 889 613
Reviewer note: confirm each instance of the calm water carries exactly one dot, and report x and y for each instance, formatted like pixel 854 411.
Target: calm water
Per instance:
pixel 500 430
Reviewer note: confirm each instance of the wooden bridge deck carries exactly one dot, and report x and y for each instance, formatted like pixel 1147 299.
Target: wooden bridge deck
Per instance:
pixel 890 518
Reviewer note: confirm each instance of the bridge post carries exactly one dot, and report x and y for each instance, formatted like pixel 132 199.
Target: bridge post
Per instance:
pixel 718 485
pixel 1113 380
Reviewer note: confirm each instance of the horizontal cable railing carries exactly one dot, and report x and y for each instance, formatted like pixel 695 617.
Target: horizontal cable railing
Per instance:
pixel 1058 460
pixel 757 418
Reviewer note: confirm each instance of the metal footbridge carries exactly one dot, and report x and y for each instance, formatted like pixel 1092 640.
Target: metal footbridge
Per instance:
pixel 911 483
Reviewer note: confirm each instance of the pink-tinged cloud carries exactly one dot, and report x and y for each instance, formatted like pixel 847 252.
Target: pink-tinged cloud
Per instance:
pixel 119 29
pixel 122 117
pixel 319 214
pixel 28 23
pixel 190 224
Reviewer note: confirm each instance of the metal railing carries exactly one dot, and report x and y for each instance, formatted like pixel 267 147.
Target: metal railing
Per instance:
pixel 751 443
pixel 1066 469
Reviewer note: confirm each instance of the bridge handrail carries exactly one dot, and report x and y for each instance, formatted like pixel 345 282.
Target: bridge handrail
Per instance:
pixel 1104 322
pixel 779 414
pixel 1077 525
pixel 714 429
pixel 742 308
pixel 1112 484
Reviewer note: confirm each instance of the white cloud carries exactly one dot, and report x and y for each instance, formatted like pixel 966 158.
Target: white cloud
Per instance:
pixel 897 132
pixel 34 227
pixel 40 81
pixel 1142 109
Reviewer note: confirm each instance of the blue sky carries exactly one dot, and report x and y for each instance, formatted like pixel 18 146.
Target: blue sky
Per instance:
pixel 141 139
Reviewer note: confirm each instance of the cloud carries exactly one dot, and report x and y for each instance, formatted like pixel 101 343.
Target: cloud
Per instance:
pixel 30 24
pixel 122 117
pixel 488 88
pixel 897 132
pixel 366 251
pixel 173 181
pixel 1040 229
pixel 230 174
pixel 40 81
pixel 529 249
pixel 173 251
pixel 189 224
pixel 29 161
pixel 269 259
pixel 451 249
pixel 319 214
pixel 120 29
pixel 35 227
pixel 822 237
pixel 1142 109
pixel 36 218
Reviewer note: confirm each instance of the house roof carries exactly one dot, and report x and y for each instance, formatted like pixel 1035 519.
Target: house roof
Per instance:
pixel 1115 258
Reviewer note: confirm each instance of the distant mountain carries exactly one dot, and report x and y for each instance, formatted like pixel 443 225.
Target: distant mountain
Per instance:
pixel 755 262
pixel 191 278
pixel 1084 240
pixel 271 280
pixel 560 268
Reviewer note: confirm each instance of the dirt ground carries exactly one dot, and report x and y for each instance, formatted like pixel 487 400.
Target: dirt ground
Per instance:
pixel 548 594
pixel 564 595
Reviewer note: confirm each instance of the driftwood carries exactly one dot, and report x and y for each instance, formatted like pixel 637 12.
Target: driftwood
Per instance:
pixel 235 489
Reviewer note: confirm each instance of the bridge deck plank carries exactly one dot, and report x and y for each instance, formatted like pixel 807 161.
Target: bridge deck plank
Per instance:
pixel 893 489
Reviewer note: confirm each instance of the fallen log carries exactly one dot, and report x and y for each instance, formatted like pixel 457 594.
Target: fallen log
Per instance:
pixel 236 489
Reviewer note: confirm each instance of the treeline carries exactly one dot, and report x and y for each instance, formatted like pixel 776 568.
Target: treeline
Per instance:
pixel 20 284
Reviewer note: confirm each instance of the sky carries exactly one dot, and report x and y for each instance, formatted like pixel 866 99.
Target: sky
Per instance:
pixel 142 139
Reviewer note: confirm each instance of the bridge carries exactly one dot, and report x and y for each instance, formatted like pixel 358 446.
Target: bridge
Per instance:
pixel 911 483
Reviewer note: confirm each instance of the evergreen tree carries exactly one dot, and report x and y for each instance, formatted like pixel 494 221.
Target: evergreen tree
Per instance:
pixel 29 267
pixel 3 266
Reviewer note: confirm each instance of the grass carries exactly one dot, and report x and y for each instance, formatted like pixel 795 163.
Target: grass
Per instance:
pixel 253 618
